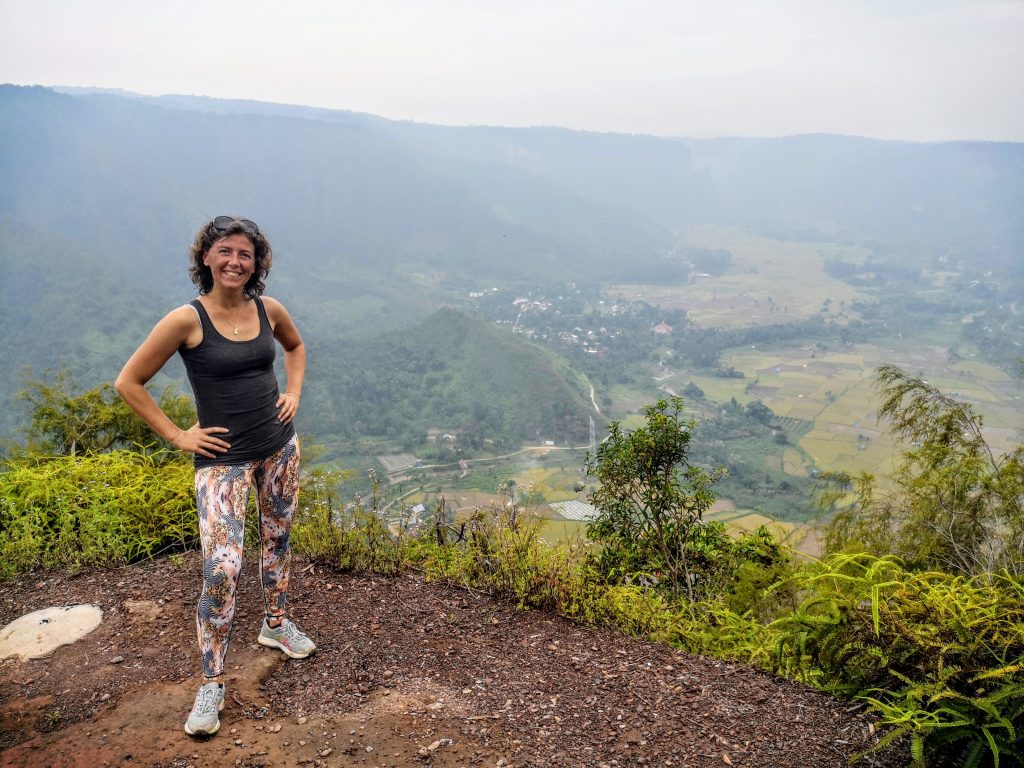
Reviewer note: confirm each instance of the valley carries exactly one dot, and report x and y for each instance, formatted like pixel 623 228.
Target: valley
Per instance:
pixel 813 370
pixel 486 299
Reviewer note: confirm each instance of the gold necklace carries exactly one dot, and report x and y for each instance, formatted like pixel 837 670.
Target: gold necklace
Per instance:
pixel 237 315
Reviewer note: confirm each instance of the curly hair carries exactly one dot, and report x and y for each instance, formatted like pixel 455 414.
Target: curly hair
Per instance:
pixel 208 234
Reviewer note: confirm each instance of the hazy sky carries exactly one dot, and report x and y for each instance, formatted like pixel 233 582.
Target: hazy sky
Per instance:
pixel 904 69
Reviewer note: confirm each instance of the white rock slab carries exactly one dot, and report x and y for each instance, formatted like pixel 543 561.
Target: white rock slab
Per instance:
pixel 36 634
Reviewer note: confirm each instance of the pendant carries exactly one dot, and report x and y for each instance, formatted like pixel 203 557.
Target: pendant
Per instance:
pixel 236 331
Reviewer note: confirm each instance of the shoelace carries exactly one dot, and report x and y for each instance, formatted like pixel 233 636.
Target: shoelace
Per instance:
pixel 291 631
pixel 206 703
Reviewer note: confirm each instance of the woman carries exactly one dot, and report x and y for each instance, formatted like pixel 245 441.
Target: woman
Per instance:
pixel 244 435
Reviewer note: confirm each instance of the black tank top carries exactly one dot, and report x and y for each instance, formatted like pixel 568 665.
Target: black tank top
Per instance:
pixel 235 387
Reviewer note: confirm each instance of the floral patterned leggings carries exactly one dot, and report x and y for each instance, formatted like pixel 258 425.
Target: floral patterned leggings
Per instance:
pixel 222 493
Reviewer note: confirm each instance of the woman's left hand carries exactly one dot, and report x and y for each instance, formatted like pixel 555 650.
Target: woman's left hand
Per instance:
pixel 287 406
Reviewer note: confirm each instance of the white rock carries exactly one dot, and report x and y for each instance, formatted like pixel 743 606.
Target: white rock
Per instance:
pixel 38 633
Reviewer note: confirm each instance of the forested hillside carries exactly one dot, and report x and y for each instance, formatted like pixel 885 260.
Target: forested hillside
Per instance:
pixel 100 196
pixel 918 199
pixel 452 373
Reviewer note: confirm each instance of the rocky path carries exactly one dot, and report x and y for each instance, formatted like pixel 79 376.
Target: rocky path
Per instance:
pixel 407 674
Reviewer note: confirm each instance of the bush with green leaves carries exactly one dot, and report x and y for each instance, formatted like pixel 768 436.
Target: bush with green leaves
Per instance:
pixel 501 552
pixel 65 421
pixel 651 499
pixel 940 657
pixel 99 509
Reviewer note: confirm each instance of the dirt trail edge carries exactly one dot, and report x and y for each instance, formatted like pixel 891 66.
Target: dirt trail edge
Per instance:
pixel 407 674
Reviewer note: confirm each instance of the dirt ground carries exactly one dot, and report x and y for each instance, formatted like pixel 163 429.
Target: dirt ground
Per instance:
pixel 406 674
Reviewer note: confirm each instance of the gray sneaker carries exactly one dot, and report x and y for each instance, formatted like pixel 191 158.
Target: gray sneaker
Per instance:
pixel 203 719
pixel 288 638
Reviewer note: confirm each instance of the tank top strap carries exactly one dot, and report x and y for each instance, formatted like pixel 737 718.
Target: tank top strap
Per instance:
pixel 264 320
pixel 204 318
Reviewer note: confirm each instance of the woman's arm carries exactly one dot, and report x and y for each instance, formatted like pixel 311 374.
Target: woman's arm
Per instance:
pixel 294 358
pixel 163 341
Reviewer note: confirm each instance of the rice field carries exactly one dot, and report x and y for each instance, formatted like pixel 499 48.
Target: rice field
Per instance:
pixel 718 389
pixel 829 390
pixel 799 536
pixel 552 483
pixel 627 399
pixel 769 281
pixel 834 390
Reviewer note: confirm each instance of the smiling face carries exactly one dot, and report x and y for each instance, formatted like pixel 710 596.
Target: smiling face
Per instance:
pixel 229 256
pixel 231 260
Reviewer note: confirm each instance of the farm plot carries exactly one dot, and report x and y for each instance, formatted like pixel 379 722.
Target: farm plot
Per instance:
pixel 835 391
pixel 770 281
pixel 628 400
pixel 547 483
pixel 722 390
pixel 747 521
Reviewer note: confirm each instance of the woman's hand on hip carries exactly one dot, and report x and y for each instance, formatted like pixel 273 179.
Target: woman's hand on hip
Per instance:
pixel 287 406
pixel 201 441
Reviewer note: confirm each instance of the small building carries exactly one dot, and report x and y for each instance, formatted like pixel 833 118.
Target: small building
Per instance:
pixel 574 510
pixel 663 328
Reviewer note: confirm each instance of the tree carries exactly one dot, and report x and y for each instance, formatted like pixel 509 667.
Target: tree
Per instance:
pixel 759 412
pixel 66 422
pixel 956 504
pixel 691 390
pixel 651 500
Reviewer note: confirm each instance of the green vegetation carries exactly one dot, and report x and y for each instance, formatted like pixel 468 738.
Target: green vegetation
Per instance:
pixel 65 422
pixel 650 499
pixel 939 657
pixel 345 537
pixel 752 442
pixel 96 509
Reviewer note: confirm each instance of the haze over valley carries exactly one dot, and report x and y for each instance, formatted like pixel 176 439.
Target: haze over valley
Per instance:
pixel 507 287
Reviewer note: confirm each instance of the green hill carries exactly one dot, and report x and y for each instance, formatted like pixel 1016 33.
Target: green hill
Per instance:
pixel 454 373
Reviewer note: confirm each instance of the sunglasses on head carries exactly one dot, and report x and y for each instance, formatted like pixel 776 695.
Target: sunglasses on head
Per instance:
pixel 224 223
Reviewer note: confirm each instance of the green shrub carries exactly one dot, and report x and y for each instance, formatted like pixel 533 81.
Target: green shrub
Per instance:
pixel 957 503
pixel 651 499
pixel 98 509
pixel 502 553
pixel 940 657
pixel 66 421
pixel 356 539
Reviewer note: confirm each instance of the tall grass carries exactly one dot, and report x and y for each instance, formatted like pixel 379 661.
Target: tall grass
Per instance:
pixel 97 509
